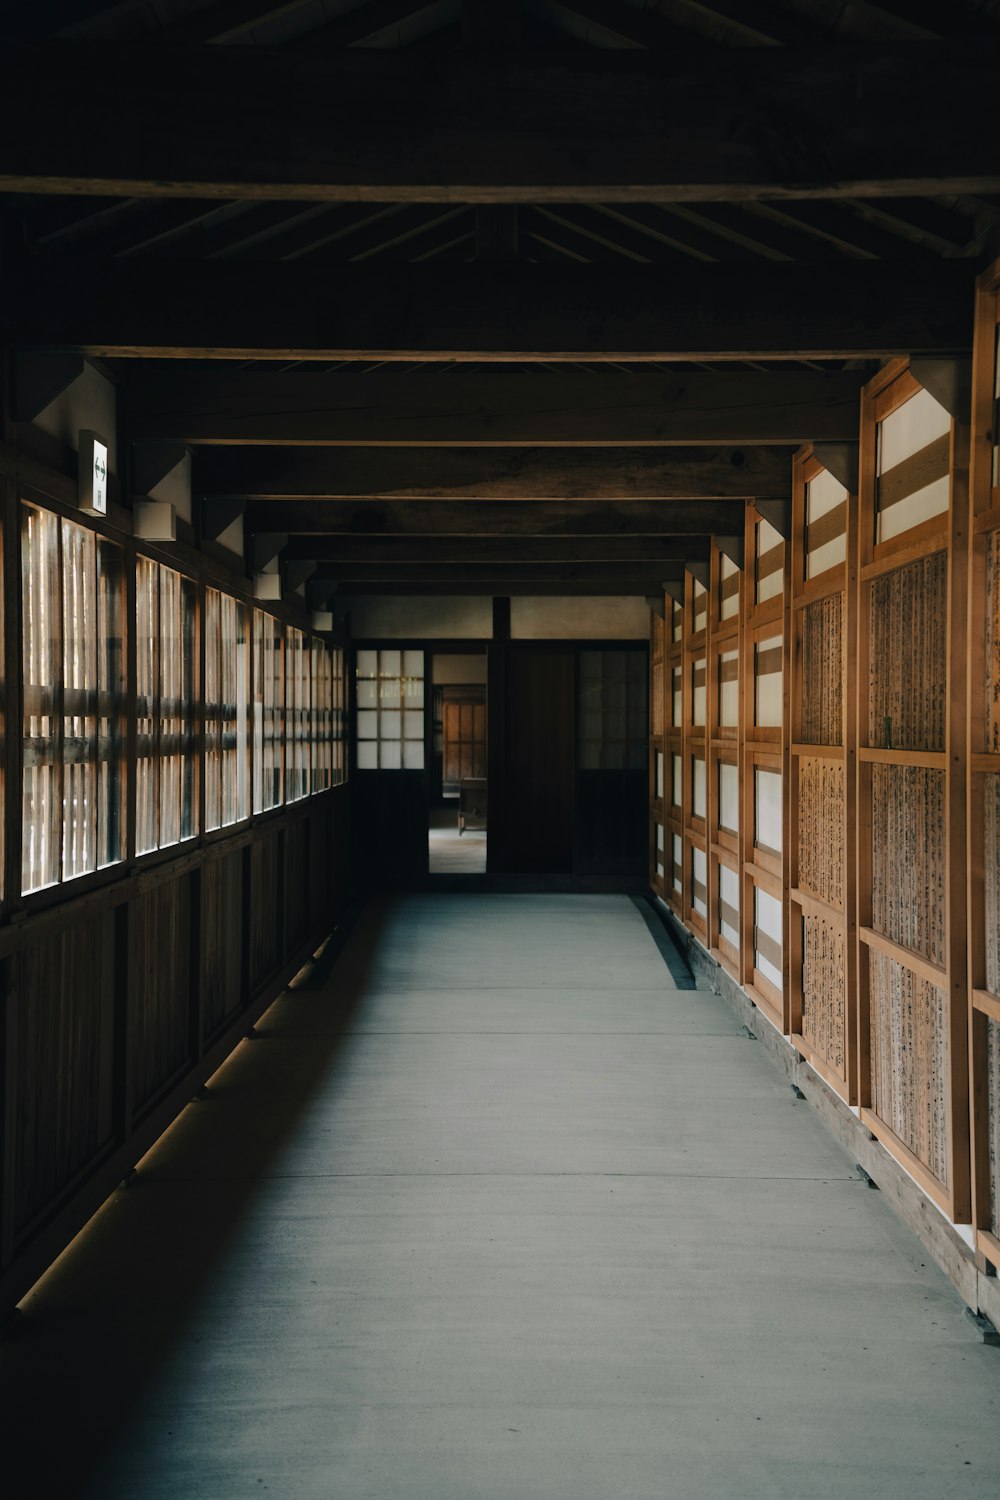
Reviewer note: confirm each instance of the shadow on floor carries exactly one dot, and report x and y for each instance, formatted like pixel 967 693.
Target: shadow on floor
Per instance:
pixel 92 1334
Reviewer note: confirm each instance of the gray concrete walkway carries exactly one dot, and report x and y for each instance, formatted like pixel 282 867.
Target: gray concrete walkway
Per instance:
pixel 501 1214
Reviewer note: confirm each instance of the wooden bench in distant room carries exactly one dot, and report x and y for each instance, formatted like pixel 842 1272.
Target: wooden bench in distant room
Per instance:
pixel 471 803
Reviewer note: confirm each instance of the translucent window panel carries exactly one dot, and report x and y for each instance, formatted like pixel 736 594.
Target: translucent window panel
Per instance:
pixel 767 936
pixel 297 714
pixel 729 905
pixel 659 775
pixel 769 562
pixel 677 783
pixel 729 689
pixel 176 743
pixel 226 697
pixel 677 698
pixel 699 881
pixel 321 720
pixel 767 809
pixel 699 788
pixel 390 716
pixel 73 674
pixel 729 588
pixel 676 621
pixel 339 717
pixel 677 855
pixel 660 856
pixel 699 606
pixel 826 524
pixel 268 710
pixel 729 797
pixel 698 691
pixel 768 704
pixel 912 465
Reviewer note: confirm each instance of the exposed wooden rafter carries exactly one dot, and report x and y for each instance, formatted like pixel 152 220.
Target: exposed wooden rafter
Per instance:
pixel 615 126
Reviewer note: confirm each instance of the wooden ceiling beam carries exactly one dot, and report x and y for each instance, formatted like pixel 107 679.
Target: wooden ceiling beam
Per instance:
pixel 235 309
pixel 476 410
pixel 493 473
pixel 492 588
pixel 601 126
pixel 510 552
pixel 496 518
pixel 629 576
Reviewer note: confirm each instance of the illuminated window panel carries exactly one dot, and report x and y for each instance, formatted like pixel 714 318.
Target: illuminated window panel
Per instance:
pixel 767 810
pixel 769 562
pixel 699 788
pixel 390 716
pixel 699 882
pixel 268 711
pixel 767 936
pixel 729 690
pixel 729 588
pixel 729 797
pixel 729 906
pixel 227 710
pixel 768 704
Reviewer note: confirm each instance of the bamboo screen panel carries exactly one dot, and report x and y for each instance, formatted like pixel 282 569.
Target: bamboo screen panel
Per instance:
pixel 821 816
pixel 908 688
pixel 912 464
pixel 993 1120
pixel 992 654
pixel 824 1018
pixel 909 858
pixel 991 879
pixel 822 705
pixel 909 1060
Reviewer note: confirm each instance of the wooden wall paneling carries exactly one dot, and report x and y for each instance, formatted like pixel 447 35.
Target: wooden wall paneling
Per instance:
pixel 657 758
pixel 320 894
pixel 983 788
pixel 695 735
pixel 266 900
pixel 821 992
pixel 723 751
pixel 60 993
pixel 764 752
pixel 296 901
pixel 674 709
pixel 160 972
pixel 221 942
pixel 912 723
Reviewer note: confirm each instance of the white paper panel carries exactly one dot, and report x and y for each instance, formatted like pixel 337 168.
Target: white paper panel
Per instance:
pixel 830 555
pixel 729 606
pixel 932 500
pixel 823 494
pixel 367 663
pixel 389 692
pixel 678 779
pixel 659 775
pixel 367 755
pixel 698 694
pixel 767 809
pixel 908 429
pixel 390 755
pixel 700 605
pixel 678 862
pixel 677 705
pixel 367 693
pixel 413 663
pixel 389 663
pixel 729 797
pixel 699 789
pixel 729 695
pixel 767 690
pixel 772 584
pixel 767 916
pixel 413 724
pixel 413 755
pixel 367 725
pixel 699 872
pixel 729 892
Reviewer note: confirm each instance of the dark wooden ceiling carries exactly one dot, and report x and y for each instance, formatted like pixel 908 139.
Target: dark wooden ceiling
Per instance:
pixel 572 284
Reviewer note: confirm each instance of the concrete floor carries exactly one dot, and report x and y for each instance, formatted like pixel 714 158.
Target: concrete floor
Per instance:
pixel 499 1213
pixel 453 853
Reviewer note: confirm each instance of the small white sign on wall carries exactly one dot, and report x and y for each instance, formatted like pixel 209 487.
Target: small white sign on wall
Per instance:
pixel 93 482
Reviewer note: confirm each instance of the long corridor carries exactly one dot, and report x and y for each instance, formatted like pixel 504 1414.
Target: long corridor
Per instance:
pixel 498 1209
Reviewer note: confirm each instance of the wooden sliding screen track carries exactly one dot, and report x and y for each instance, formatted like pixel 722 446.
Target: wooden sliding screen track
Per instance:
pixel 984 765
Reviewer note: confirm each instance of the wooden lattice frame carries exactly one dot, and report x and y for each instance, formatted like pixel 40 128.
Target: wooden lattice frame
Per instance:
pixel 695 644
pixel 657 674
pixel 839 580
pixel 725 635
pixel 947 534
pixel 764 748
pixel 984 526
